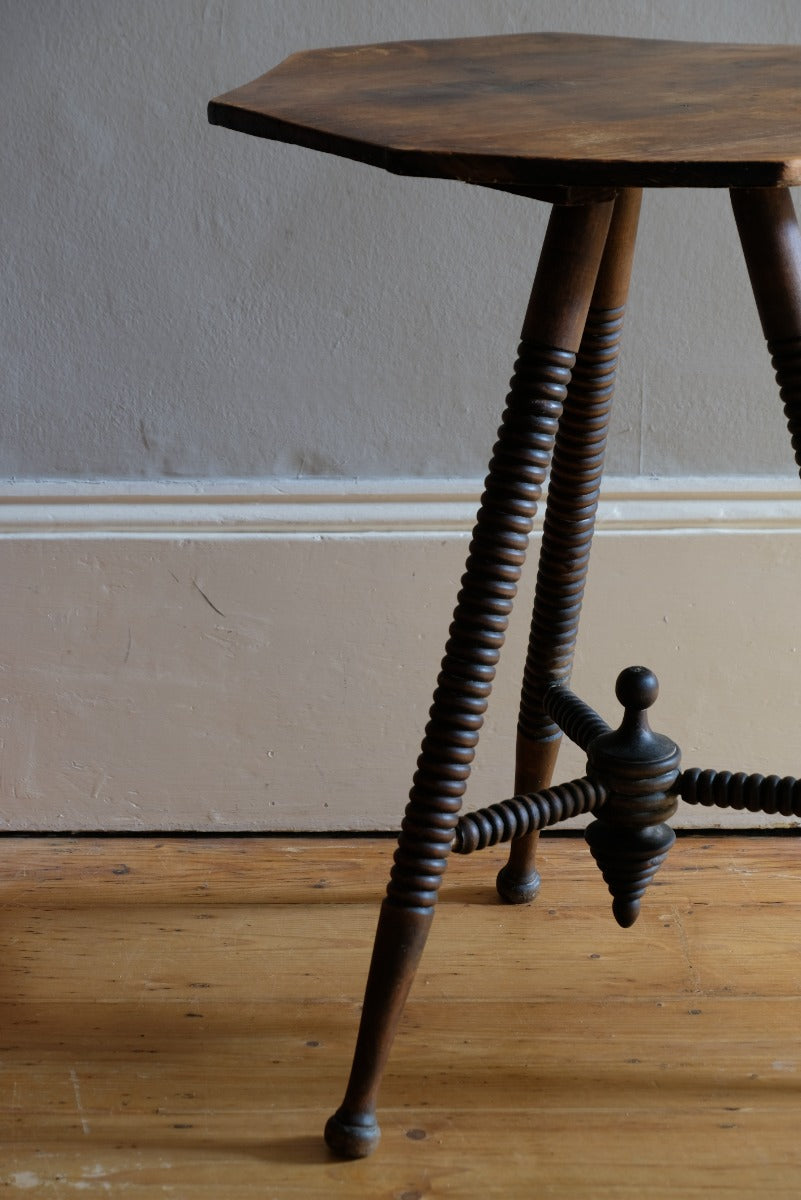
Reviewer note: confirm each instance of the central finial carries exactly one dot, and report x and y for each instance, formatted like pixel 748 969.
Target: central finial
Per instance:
pixel 637 687
pixel 639 768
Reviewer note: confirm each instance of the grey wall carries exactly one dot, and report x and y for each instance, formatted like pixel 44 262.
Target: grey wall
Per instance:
pixel 179 300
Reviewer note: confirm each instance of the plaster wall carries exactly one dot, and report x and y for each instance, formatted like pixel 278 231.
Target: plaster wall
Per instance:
pixel 183 301
pixel 247 660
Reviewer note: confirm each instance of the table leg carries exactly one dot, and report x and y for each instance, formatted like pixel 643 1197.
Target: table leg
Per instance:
pixel 552 330
pixel 569 524
pixel 771 241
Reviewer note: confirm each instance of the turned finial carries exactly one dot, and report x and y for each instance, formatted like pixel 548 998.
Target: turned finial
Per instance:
pixel 639 769
pixel 636 688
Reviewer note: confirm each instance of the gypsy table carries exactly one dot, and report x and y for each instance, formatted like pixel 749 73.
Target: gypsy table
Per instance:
pixel 583 123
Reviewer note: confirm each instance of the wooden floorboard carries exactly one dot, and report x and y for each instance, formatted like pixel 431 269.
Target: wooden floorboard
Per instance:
pixel 177 1018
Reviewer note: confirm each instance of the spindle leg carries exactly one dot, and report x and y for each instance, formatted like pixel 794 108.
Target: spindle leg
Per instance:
pixel 552 330
pixel 569 524
pixel 771 241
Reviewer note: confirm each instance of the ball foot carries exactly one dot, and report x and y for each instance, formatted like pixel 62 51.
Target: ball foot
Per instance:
pixel 352 1136
pixel 517 889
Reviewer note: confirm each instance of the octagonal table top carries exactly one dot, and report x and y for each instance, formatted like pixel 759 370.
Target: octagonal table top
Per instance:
pixel 548 110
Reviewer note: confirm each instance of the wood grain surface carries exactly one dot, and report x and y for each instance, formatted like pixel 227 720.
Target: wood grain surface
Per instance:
pixel 527 111
pixel 178 1018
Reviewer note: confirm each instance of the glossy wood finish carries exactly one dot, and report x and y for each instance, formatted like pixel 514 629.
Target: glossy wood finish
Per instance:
pixel 529 111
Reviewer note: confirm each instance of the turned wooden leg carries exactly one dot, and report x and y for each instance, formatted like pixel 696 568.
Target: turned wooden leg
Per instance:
pixel 771 242
pixel 552 330
pixel 567 533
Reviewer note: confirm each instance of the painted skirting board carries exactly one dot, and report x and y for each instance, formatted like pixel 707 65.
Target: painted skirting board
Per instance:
pixel 228 656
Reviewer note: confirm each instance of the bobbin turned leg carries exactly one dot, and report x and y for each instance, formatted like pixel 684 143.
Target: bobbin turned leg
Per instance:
pixel 569 523
pixel 552 330
pixel 771 241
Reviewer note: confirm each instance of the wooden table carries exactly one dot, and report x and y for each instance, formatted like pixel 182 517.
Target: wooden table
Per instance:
pixel 584 123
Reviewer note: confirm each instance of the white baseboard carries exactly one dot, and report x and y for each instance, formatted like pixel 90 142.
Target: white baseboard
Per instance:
pixel 234 657
pixel 315 508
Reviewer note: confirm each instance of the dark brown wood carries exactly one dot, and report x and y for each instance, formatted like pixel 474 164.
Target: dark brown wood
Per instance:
pixel 514 818
pixel 581 120
pixel 771 241
pixel 533 111
pixel 552 329
pixel 573 493
pixel 638 768
pixel 749 793
pixel 631 787
pixel 573 716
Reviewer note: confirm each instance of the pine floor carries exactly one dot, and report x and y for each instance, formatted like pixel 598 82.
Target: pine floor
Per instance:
pixel 177 1018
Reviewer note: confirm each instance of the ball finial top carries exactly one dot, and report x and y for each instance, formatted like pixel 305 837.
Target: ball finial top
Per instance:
pixel 637 688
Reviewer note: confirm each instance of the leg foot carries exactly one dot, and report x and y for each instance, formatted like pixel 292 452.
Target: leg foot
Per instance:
pixel 519 880
pixel 515 888
pixel 352 1135
pixel 353 1132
